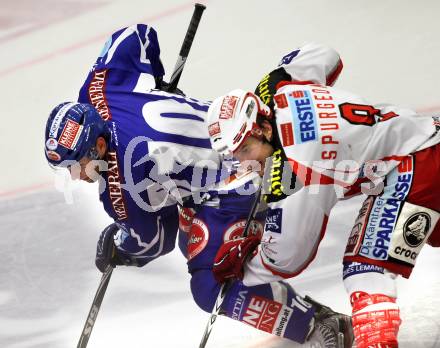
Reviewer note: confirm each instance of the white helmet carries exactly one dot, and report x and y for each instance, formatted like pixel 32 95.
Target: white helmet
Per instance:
pixel 232 118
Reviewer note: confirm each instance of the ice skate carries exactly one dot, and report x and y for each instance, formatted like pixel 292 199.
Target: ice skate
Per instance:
pixel 331 329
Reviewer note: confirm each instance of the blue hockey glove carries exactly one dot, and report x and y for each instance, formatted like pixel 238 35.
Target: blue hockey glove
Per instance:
pixel 106 252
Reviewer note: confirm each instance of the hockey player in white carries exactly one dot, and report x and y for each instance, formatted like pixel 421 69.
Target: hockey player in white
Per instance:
pixel 315 144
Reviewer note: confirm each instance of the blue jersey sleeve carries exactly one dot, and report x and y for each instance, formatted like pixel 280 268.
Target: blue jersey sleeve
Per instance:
pixel 135 48
pixel 147 231
pixel 130 59
pixel 143 237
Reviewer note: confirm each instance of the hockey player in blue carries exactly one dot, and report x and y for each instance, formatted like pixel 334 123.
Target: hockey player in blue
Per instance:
pixel 150 152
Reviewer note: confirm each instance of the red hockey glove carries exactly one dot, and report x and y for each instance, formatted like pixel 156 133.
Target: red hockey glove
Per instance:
pixel 376 320
pixel 231 256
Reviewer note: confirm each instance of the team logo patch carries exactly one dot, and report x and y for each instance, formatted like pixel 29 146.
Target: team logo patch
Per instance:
pixel 304 116
pixel 288 57
pixel 51 144
pixel 70 134
pixel 236 230
pixel 416 228
pixel 228 106
pixel 287 134
pixel 214 129
pixel 274 221
pixel 198 238
pixel 53 156
pixel 186 216
pixel 413 228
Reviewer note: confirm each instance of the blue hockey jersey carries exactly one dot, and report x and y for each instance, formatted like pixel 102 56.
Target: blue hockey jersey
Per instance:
pixel 159 152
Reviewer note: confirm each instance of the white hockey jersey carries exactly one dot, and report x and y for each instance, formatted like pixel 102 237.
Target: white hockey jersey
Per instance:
pixel 332 141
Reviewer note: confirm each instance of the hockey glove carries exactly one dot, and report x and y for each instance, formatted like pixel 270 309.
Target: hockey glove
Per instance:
pixel 165 86
pixel 231 256
pixel 106 253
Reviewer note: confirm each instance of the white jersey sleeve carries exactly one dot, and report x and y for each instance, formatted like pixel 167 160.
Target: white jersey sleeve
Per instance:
pixel 311 63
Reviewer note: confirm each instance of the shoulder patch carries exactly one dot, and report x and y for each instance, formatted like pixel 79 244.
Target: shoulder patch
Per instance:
pixel 198 238
pixel 289 57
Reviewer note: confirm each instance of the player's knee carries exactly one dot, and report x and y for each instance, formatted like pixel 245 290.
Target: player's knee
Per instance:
pixel 204 289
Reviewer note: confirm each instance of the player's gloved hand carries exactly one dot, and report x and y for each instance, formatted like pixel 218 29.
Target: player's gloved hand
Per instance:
pixel 231 256
pixel 106 252
pixel 165 86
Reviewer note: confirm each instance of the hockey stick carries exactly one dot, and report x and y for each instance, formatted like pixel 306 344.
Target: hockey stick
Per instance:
pixel 186 46
pixel 226 285
pixel 96 305
pixel 184 51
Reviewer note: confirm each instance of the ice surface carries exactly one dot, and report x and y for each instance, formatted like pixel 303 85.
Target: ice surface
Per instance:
pixel 47 275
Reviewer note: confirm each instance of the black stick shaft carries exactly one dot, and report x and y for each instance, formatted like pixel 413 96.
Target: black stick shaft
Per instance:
pixel 96 305
pixel 186 46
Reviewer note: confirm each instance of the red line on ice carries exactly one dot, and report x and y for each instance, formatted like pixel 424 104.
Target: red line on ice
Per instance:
pixel 25 190
pixel 94 39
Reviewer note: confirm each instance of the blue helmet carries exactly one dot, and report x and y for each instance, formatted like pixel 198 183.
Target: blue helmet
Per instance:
pixel 71 132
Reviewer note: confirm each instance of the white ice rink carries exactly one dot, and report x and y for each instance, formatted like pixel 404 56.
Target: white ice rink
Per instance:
pixel 391 53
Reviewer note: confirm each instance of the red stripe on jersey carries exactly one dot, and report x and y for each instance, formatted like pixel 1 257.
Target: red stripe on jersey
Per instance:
pixel 308 176
pixel 307 262
pixel 355 188
pixel 393 158
pixel 286 83
pixel 330 79
pixel 333 76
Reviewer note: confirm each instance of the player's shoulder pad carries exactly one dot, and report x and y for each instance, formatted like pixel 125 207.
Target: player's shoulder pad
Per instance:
pixel 267 87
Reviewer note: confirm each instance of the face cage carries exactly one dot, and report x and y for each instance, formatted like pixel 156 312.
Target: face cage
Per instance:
pixel 251 133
